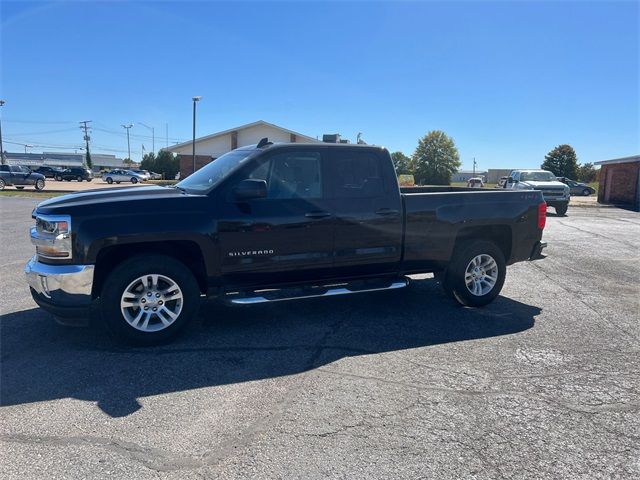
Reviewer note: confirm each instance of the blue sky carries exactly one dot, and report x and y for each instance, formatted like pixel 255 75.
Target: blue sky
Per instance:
pixel 507 80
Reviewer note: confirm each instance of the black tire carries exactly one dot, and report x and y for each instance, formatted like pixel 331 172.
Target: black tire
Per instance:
pixel 117 182
pixel 79 179
pixel 126 273
pixel 562 209
pixel 20 188
pixel 89 179
pixel 109 180
pixel 2 184
pixel 58 178
pixel 454 280
pixel 134 180
pixel 39 184
pixel 586 192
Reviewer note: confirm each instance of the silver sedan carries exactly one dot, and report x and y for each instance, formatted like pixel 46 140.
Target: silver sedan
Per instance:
pixel 118 176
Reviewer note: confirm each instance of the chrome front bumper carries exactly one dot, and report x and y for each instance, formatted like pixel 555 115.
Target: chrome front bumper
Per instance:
pixel 60 285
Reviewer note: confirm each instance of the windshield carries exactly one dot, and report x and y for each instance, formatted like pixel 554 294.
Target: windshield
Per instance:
pixel 540 176
pixel 213 173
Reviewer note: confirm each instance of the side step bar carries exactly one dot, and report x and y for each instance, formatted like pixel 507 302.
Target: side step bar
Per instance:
pixel 272 295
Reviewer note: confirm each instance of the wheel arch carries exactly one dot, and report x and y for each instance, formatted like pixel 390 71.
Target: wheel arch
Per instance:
pixel 501 235
pixel 185 251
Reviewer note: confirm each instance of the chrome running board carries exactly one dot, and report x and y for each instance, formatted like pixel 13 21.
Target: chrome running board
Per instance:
pixel 325 292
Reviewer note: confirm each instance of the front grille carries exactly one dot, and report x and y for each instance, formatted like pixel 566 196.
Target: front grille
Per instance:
pixel 552 193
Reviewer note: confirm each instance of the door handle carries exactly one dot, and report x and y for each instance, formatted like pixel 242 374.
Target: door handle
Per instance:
pixel 317 214
pixel 387 211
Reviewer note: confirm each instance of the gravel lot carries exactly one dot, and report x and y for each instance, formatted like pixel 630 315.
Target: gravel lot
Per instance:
pixel 543 383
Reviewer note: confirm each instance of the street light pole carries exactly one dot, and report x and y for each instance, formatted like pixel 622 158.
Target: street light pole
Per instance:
pixel 193 147
pixel 153 136
pixel 127 127
pixel 1 149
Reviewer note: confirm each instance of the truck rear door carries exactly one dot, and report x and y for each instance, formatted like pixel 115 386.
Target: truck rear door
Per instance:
pixel 365 199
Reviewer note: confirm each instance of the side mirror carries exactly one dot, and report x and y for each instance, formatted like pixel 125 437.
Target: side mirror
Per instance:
pixel 250 189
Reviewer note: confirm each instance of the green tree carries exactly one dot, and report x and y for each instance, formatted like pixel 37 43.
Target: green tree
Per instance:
pixel 88 160
pixel 562 161
pixel 165 163
pixel 402 163
pixel 586 173
pixel 436 158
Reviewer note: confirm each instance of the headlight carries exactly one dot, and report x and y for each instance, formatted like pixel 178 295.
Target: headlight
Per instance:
pixel 52 236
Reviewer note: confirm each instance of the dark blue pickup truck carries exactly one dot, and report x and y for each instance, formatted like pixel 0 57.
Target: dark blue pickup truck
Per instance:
pixel 20 177
pixel 267 223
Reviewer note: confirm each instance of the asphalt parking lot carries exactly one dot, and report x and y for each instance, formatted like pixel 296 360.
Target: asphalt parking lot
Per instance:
pixel 543 383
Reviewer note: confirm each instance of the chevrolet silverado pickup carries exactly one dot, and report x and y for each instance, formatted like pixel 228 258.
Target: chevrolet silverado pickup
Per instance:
pixel 555 193
pixel 266 223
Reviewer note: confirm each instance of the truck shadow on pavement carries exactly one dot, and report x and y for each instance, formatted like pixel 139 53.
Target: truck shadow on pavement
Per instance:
pixel 43 361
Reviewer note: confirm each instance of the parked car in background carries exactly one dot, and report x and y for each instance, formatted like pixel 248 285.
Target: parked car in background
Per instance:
pixel 144 173
pixel 475 183
pixel 119 175
pixel 555 193
pixel 47 171
pixel 155 176
pixel 577 188
pixel 502 183
pixel 20 177
pixel 74 173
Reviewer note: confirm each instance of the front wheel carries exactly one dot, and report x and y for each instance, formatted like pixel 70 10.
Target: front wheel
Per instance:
pixel 58 178
pixel 148 299
pixel 109 180
pixel 79 179
pixel 2 184
pixel 39 184
pixel 476 273
pixel 134 180
pixel 562 209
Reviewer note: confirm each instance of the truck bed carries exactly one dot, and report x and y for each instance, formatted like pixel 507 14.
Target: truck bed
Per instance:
pixel 436 216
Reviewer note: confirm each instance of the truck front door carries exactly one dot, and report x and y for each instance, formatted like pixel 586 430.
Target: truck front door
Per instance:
pixel 285 237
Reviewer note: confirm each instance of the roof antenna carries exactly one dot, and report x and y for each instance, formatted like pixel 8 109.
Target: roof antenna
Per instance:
pixel 264 142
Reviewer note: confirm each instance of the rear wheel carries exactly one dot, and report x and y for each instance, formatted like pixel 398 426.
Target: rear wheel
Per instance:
pixel 79 178
pixel 2 184
pixel 476 273
pixel 39 184
pixel 148 299
pixel 586 192
pixel 58 178
pixel 562 209
pixel 134 180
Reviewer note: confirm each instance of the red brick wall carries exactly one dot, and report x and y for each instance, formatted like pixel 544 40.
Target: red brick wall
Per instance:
pixel 186 163
pixel 622 180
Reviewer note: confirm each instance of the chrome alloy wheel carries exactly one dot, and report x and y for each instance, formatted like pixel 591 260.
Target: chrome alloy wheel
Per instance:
pixel 481 275
pixel 151 302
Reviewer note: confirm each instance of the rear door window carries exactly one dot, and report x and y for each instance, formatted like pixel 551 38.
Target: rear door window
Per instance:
pixel 356 175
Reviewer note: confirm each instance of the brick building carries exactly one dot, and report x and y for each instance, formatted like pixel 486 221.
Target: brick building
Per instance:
pixel 620 181
pixel 212 146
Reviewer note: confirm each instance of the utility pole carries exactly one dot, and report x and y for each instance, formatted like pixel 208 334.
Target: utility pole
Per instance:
pixel 1 149
pixel 127 127
pixel 474 166
pixel 85 127
pixel 195 100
